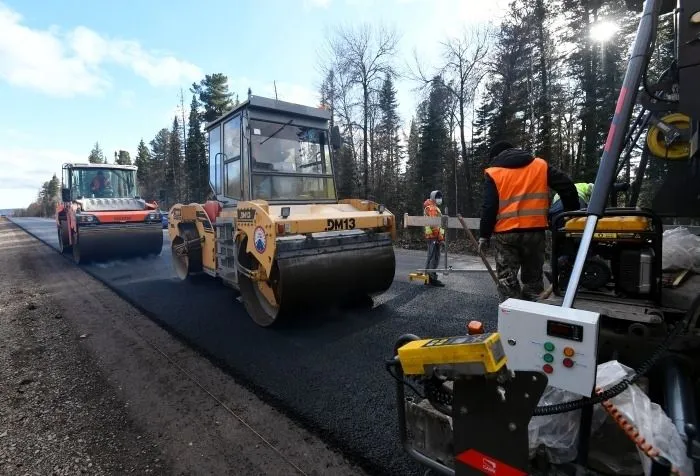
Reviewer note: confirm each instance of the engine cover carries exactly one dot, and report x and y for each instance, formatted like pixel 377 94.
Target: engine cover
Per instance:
pixel 634 273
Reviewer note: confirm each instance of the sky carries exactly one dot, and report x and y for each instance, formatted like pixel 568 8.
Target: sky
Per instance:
pixel 73 72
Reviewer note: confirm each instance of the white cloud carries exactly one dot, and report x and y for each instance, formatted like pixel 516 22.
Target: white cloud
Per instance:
pixel 23 170
pixel 290 92
pixel 66 65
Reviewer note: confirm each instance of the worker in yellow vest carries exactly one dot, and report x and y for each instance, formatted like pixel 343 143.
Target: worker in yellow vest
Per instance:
pixel 585 192
pixel 435 236
pixel 515 212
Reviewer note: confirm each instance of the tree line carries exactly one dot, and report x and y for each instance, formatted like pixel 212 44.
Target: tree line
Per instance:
pixel 538 79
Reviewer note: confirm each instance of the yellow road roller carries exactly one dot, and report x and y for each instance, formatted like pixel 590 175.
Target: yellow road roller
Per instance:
pixel 274 228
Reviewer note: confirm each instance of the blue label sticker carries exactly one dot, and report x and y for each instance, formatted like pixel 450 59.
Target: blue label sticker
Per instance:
pixel 260 239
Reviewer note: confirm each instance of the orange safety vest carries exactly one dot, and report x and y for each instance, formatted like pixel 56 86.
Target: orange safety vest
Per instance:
pixel 523 196
pixel 430 209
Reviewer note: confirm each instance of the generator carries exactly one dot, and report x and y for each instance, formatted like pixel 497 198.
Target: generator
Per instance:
pixel 624 258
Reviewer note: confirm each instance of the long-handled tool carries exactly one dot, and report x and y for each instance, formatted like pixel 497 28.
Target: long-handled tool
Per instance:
pixel 501 290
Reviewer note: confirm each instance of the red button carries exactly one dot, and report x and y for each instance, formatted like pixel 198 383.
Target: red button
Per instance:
pixel 568 363
pixel 547 369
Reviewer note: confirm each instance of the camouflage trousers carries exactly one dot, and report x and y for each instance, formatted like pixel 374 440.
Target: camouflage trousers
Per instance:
pixel 522 252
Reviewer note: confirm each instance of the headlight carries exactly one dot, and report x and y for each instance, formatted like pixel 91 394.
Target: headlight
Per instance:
pixel 153 217
pixel 86 218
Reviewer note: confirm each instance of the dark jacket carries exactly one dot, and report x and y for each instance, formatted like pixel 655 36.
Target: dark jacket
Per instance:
pixel 515 159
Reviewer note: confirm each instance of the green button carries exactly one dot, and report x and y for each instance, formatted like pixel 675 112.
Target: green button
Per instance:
pixel 548 358
pixel 548 346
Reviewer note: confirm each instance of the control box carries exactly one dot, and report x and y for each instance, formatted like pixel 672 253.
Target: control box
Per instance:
pixel 468 355
pixel 561 342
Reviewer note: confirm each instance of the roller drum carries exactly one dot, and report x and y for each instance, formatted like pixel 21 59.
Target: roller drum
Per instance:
pixel 105 242
pixel 327 269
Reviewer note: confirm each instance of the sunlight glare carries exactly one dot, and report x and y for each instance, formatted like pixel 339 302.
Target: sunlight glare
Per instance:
pixel 603 31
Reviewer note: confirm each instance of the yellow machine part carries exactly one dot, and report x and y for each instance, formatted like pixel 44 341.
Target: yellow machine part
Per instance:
pixel 194 213
pixel 309 254
pixel 655 139
pixel 611 224
pixel 477 354
pixel 290 255
pixel 347 215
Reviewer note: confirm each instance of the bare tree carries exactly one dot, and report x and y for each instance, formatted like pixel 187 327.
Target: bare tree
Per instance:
pixel 463 69
pixel 363 56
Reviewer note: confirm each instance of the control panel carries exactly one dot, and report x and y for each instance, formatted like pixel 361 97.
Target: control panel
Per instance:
pixel 560 342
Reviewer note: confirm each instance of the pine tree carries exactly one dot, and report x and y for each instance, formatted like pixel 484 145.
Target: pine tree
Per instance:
pixel 434 141
pixel 196 157
pixel 157 170
pixel 213 93
pixel 122 158
pixel 388 146
pixel 412 174
pixel 143 172
pixel 173 165
pixel 96 155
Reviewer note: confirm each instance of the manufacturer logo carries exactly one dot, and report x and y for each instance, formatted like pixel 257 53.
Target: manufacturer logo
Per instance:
pixel 488 466
pixel 260 239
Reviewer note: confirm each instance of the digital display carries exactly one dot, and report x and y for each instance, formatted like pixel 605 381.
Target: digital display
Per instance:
pixel 564 330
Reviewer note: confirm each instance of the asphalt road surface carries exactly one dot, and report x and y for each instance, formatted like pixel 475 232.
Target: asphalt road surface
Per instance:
pixel 327 370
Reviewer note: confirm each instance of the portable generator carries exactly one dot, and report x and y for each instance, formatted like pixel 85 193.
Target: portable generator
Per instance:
pixel 624 259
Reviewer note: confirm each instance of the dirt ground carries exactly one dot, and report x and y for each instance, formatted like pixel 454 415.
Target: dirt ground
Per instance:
pixel 88 385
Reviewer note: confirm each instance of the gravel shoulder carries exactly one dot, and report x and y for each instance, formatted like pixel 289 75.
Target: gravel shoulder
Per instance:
pixel 90 385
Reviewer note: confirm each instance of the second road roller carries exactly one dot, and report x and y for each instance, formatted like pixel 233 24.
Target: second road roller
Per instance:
pixel 274 228
pixel 102 217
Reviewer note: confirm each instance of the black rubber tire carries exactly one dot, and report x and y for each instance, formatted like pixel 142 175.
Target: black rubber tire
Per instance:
pixel 255 304
pixel 78 258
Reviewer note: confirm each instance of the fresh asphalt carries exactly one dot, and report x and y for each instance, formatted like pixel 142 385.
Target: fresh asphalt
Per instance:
pixel 325 369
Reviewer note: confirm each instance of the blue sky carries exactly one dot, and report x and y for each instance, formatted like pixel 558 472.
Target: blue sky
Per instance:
pixel 75 72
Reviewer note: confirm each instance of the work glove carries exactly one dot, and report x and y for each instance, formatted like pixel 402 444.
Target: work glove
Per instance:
pixel 483 244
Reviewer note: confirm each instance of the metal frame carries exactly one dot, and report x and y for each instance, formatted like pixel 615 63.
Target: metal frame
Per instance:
pixel 311 124
pixel 274 111
pixel 227 161
pixel 69 166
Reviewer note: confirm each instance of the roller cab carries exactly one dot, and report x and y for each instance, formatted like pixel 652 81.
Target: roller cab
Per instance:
pixel 275 229
pixel 102 217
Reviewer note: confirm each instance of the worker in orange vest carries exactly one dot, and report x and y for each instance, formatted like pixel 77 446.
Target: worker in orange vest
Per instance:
pixel 515 211
pixel 435 236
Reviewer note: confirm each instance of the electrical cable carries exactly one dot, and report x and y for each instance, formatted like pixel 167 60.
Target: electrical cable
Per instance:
pixel 632 432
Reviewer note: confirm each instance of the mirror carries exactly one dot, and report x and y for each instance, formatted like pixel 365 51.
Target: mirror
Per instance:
pixel 65 195
pixel 336 139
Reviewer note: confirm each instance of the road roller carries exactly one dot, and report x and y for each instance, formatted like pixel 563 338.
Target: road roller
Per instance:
pixel 274 228
pixel 101 216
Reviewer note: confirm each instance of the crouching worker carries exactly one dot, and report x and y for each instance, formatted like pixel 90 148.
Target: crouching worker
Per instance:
pixel 435 236
pixel 515 211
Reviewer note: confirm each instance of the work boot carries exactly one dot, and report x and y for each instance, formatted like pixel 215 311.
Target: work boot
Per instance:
pixel 435 282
